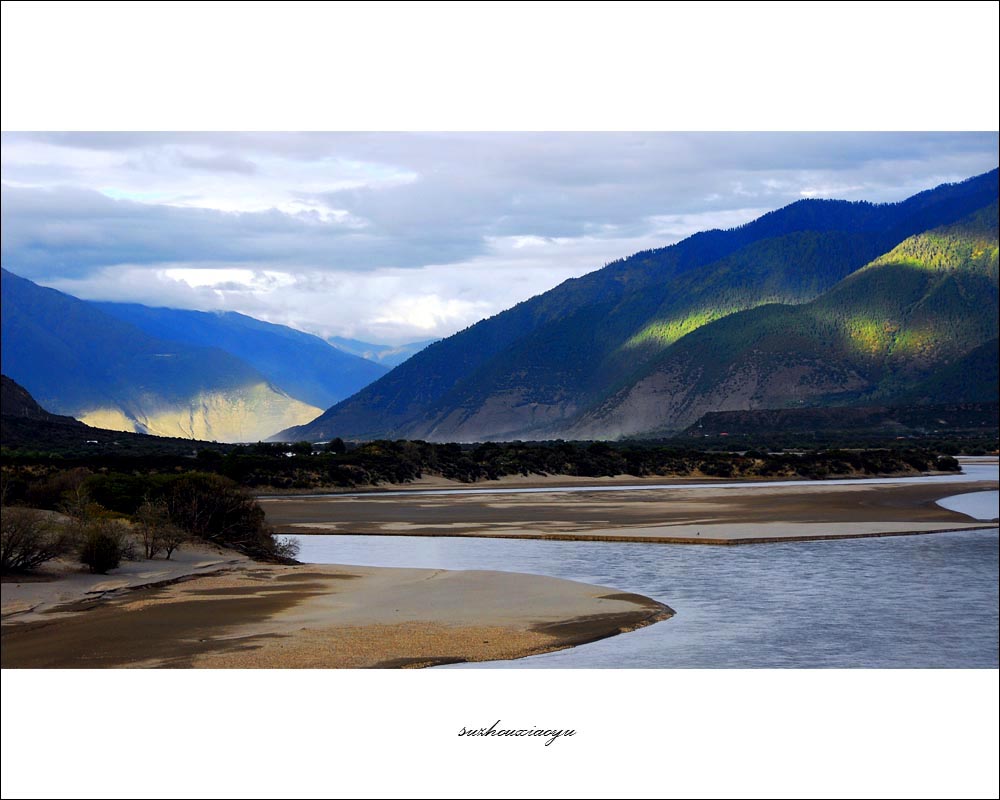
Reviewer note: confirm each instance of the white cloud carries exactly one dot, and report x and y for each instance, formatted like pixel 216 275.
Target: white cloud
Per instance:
pixel 835 190
pixel 198 176
pixel 428 313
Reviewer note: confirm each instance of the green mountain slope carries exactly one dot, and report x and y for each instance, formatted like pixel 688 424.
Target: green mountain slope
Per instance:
pixel 78 361
pixel 974 378
pixel 905 327
pixel 535 370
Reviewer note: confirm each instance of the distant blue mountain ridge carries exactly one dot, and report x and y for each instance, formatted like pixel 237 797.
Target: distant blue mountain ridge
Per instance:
pixel 169 372
pixel 303 365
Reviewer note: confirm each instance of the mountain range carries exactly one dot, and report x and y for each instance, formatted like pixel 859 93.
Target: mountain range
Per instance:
pixel 303 365
pixel 820 303
pixel 208 376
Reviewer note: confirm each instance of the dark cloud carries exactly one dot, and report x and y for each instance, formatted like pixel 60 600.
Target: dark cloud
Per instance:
pixel 58 233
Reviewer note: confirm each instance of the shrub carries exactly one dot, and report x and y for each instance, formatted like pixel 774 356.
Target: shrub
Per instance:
pixel 103 545
pixel 119 492
pixel 50 491
pixel 216 509
pixel 28 539
pixel 948 464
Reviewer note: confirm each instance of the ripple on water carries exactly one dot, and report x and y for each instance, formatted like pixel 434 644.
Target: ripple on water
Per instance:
pixel 907 601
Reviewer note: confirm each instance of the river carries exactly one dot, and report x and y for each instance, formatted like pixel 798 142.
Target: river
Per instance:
pixel 902 601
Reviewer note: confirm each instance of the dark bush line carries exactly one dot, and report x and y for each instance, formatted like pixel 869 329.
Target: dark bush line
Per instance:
pixel 265 466
pixel 403 461
pixel 123 488
pixel 166 510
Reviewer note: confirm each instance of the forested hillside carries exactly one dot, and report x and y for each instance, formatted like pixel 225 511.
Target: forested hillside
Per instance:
pixel 916 318
pixel 548 366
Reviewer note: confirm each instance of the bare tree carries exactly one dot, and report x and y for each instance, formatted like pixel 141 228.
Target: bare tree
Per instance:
pixel 149 522
pixel 172 537
pixel 78 505
pixel 28 539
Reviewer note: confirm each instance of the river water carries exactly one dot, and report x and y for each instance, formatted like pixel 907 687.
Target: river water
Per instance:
pixel 902 601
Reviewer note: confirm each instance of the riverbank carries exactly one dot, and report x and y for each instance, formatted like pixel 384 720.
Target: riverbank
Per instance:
pixel 250 615
pixel 677 514
pixel 437 483
pixel 537 482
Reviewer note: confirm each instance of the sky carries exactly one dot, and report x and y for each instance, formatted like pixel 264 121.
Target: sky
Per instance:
pixel 396 237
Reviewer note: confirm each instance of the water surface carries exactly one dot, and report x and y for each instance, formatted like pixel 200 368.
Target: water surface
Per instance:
pixel 978 505
pixel 902 601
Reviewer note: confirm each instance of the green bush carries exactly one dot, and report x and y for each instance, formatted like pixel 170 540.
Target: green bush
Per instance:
pixel 948 464
pixel 218 510
pixel 50 491
pixel 103 545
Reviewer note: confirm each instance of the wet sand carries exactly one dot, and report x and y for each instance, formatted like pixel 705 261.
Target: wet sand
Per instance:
pixel 250 616
pixel 679 515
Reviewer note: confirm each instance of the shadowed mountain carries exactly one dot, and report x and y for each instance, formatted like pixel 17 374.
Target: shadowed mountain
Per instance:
pixel 551 366
pixel 303 365
pixel 16 401
pixel 79 361
pixel 974 378
pixel 914 322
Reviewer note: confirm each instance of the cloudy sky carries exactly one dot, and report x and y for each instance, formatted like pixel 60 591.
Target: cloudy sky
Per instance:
pixel 395 237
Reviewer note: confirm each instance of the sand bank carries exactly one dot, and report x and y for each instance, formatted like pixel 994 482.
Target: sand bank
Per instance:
pixel 679 515
pixel 253 615
pixel 63 584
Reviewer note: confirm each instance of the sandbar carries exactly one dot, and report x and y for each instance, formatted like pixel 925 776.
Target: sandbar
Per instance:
pixel 251 615
pixel 679 515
